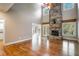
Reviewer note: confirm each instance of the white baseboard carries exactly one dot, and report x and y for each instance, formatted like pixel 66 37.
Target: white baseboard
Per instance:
pixel 17 41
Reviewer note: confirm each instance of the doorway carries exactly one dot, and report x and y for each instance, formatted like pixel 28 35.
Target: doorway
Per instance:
pixel 36 36
pixel 2 34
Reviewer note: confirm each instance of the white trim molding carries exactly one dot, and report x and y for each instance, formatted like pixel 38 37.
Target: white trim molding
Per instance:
pixel 17 41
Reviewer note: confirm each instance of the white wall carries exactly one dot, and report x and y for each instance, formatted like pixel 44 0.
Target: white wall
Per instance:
pixel 45 19
pixel 69 14
pixel 19 21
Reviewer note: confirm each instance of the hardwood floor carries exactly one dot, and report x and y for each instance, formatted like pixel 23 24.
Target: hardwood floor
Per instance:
pixel 52 47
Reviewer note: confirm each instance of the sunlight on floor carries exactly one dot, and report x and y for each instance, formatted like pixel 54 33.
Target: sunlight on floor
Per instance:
pixel 36 41
pixel 68 48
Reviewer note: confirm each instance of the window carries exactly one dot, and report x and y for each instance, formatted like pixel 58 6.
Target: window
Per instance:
pixel 45 30
pixel 67 6
pixel 1 25
pixel 69 29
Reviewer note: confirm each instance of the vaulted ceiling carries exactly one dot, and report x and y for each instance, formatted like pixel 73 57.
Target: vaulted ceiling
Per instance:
pixel 4 7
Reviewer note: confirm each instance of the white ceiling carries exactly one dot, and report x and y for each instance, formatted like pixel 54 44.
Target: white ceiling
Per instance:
pixel 4 7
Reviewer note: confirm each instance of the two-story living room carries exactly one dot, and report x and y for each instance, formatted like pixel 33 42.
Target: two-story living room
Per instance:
pixel 39 29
